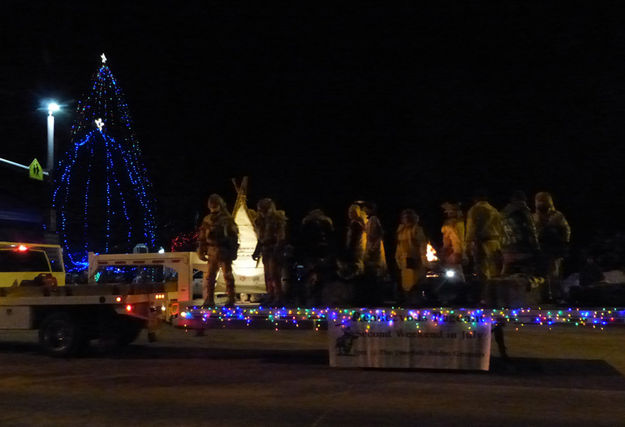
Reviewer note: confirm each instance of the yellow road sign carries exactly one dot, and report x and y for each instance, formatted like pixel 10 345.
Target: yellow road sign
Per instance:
pixel 35 171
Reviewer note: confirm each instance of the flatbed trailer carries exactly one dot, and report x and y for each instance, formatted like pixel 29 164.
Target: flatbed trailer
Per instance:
pixel 69 317
pixel 186 265
pixel 280 318
pixel 183 263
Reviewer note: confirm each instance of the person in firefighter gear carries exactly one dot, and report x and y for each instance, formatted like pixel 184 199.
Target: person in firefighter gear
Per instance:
pixel 270 226
pixel 352 264
pixel 554 235
pixel 410 251
pixel 375 272
pixel 318 252
pixel 483 237
pixel 375 255
pixel 453 253
pixel 218 239
pixel 453 235
pixel 520 240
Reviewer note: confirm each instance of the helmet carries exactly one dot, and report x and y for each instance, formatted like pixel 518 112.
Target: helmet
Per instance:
pixel 265 205
pixel 216 203
pixel 543 199
pixel 410 215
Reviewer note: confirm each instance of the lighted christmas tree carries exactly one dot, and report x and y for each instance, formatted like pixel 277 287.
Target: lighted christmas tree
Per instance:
pixel 103 196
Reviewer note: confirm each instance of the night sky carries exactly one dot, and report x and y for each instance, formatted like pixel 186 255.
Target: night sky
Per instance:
pixel 407 105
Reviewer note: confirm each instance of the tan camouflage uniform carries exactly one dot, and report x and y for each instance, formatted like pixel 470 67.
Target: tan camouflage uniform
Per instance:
pixel 218 242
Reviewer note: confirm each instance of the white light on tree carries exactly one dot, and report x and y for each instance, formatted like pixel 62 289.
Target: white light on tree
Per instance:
pixel 103 56
pixel 100 124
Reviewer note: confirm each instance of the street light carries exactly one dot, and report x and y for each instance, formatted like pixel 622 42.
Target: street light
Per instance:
pixel 53 107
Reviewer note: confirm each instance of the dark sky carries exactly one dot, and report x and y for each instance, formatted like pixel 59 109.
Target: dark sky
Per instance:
pixel 403 103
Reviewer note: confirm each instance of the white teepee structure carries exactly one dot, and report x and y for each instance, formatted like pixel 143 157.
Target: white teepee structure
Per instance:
pixel 249 275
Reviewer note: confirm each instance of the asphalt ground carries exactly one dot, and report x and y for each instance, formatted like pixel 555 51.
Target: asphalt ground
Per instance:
pixel 566 376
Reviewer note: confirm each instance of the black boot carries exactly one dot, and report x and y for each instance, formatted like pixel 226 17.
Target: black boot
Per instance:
pixel 210 295
pixel 230 302
pixel 231 295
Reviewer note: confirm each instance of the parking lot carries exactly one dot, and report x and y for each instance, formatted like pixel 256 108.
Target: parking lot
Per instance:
pixel 262 377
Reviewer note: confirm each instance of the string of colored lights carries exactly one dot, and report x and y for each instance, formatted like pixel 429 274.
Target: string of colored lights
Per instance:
pixel 198 317
pixel 184 241
pixel 113 150
pixel 103 121
pixel 86 211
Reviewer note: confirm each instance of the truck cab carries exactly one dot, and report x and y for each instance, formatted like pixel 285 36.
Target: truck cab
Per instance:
pixel 21 261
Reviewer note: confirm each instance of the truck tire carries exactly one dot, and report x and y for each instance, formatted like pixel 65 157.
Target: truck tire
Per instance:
pixel 117 331
pixel 60 335
pixel 129 331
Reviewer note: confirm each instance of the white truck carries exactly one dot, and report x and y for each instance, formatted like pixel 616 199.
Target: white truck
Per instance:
pixel 68 317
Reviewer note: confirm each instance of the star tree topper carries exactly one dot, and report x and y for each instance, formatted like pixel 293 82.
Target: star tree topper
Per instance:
pixel 103 58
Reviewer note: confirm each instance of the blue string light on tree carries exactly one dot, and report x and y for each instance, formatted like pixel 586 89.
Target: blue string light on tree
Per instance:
pixel 103 195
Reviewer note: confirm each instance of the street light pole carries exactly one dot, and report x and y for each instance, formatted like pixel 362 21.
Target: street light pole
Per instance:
pixel 52 108
pixel 50 235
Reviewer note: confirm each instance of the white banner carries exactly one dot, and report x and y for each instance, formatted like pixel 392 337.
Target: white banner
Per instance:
pixel 410 344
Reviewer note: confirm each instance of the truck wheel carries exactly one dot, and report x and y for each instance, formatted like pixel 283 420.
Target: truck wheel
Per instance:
pixel 128 332
pixel 60 335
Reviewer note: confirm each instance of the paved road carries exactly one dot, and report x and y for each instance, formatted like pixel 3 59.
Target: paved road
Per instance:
pixel 233 377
